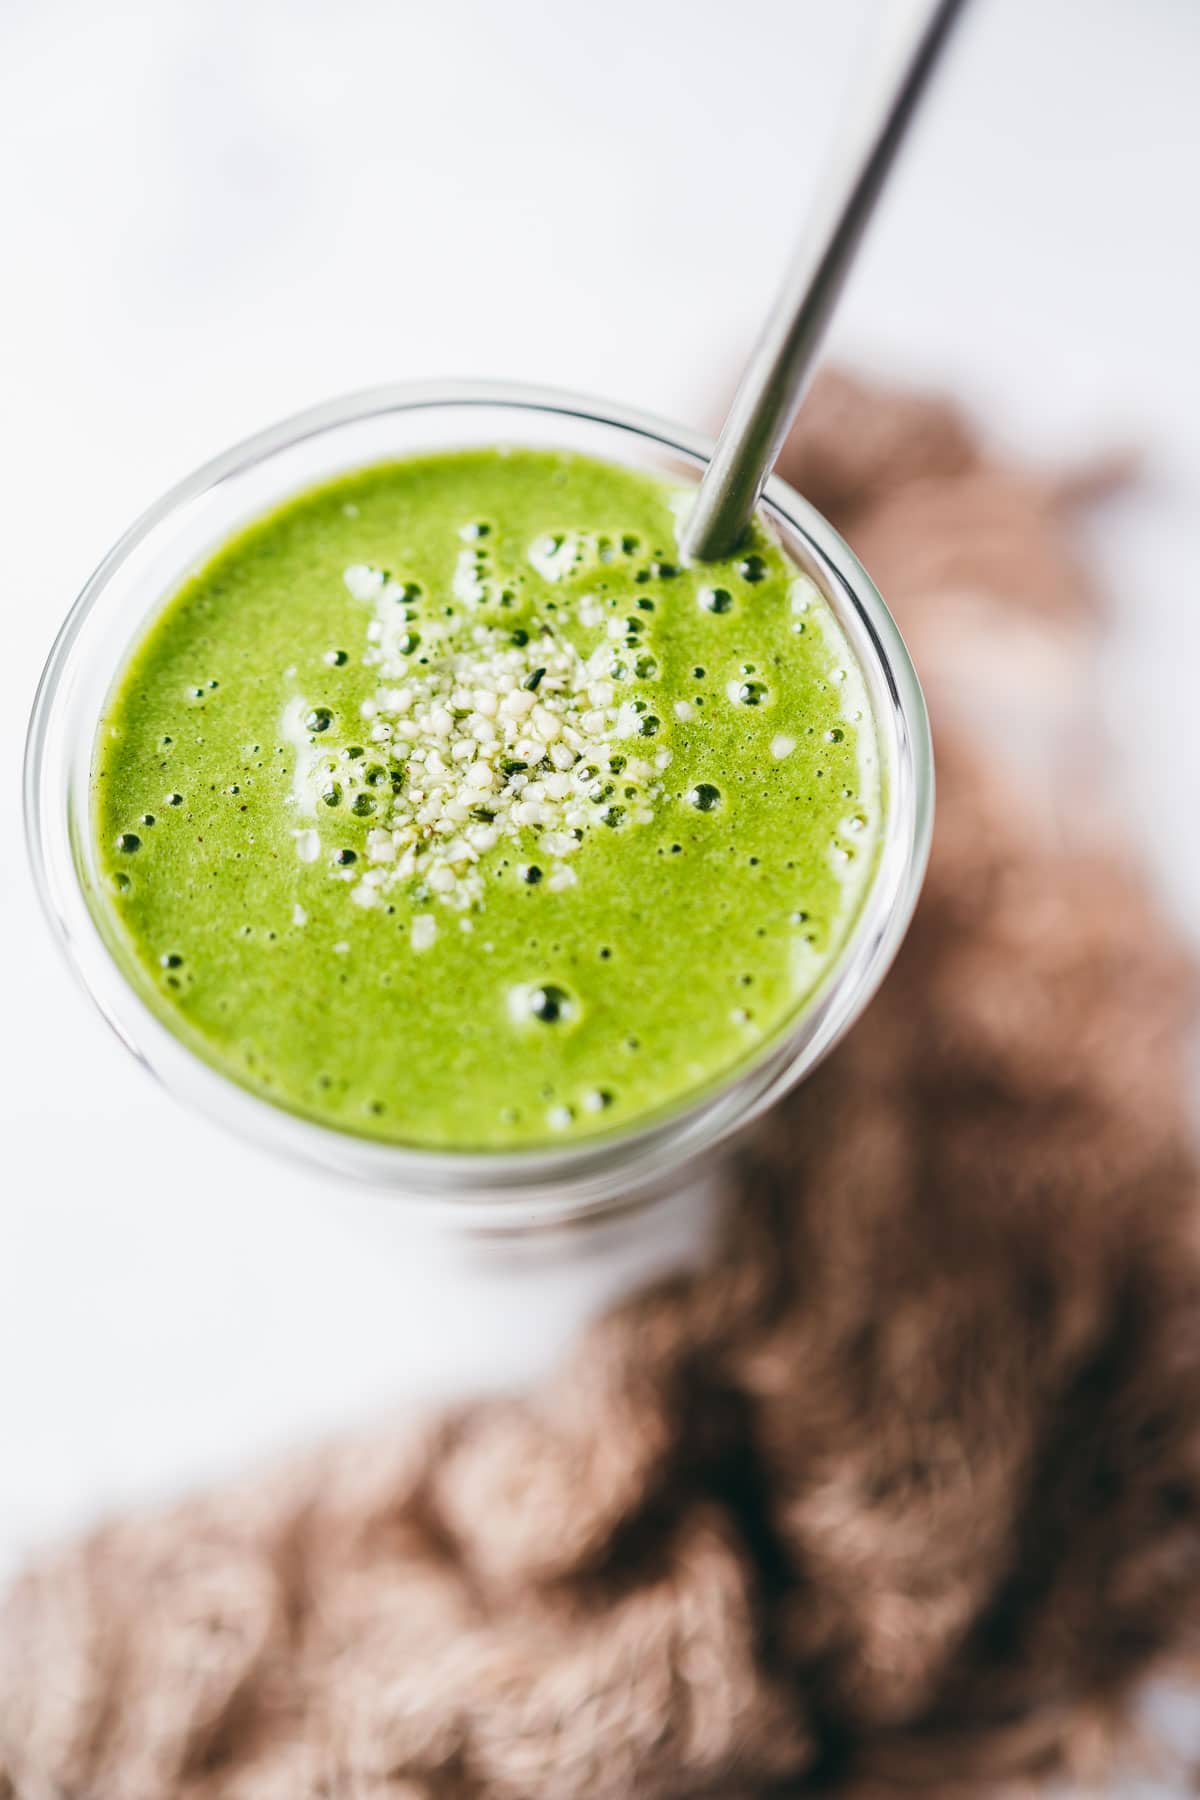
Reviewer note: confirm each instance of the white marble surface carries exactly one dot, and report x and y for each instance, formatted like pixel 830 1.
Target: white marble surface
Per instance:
pixel 214 214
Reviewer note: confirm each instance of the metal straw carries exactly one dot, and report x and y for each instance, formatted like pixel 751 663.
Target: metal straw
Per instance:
pixel 914 33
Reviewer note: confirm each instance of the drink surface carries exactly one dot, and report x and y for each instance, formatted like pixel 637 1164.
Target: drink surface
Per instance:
pixel 446 807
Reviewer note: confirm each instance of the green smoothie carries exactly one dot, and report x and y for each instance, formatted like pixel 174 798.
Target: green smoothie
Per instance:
pixel 446 806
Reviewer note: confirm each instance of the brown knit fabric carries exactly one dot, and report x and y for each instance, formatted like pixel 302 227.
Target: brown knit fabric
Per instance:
pixel 905 1493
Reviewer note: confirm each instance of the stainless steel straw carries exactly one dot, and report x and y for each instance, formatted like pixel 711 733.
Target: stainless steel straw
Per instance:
pixel 913 34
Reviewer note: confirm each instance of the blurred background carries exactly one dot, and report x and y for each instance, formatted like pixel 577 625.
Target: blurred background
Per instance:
pixel 216 213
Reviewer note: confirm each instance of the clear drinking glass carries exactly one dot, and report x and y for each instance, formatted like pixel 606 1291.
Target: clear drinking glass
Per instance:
pixel 496 1191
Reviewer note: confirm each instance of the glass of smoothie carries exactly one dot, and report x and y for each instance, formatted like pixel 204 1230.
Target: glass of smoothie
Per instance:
pixel 405 799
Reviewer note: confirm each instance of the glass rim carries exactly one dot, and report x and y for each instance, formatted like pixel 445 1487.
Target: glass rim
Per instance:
pixel 549 1183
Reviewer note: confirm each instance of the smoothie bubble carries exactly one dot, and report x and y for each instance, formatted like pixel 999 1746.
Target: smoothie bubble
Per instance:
pixel 716 599
pixel 705 797
pixel 550 1005
pixel 544 1003
pixel 747 693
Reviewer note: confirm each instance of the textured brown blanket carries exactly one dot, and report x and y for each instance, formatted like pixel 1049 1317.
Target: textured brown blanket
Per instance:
pixel 906 1493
